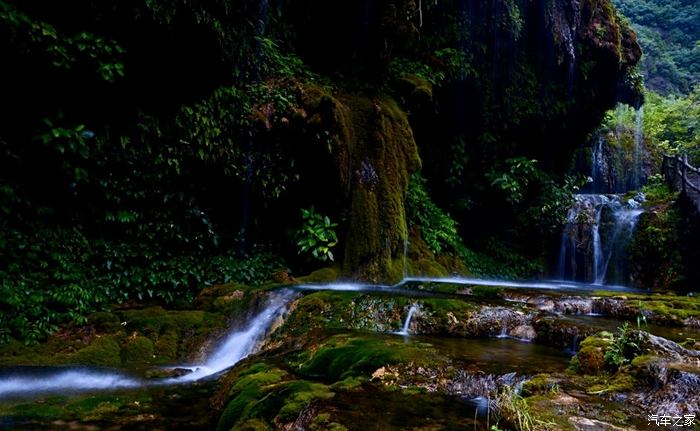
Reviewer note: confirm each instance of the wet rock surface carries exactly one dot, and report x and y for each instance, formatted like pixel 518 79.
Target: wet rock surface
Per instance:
pixel 336 346
pixel 657 308
pixel 670 375
pixel 586 424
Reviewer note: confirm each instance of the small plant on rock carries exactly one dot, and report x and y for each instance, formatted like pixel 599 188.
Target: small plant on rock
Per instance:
pixel 511 408
pixel 623 349
pixel 317 235
pixel 641 317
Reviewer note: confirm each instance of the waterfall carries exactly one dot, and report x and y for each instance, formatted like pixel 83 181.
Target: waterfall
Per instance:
pixel 597 252
pixel 625 221
pixel 420 13
pixel 595 238
pixel 637 173
pixel 564 19
pixel 598 231
pixel 581 242
pixel 597 166
pixel 235 347
pixel 615 166
pixel 574 344
pixel 407 323
pixel 240 344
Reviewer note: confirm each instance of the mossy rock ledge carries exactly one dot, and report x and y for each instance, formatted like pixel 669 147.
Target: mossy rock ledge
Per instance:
pixel 375 153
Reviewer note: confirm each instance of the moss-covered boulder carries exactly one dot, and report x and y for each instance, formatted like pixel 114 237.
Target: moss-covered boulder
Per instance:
pixel 323 275
pixel 138 350
pixel 104 351
pixel 590 358
pixel 375 153
pixel 264 396
pixel 539 384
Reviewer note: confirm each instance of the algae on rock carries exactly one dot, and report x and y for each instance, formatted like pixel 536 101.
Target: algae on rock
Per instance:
pixel 372 143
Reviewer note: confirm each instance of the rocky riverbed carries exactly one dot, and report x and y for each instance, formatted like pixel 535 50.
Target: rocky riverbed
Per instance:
pixel 472 357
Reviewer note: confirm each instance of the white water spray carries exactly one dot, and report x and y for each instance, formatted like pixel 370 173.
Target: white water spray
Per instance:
pixel 504 332
pixel 235 347
pixel 638 150
pixel 407 324
pixel 590 244
pixel 597 165
pixel 240 344
pixel 25 383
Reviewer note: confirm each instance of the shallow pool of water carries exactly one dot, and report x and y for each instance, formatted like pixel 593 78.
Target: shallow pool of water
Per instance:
pixel 381 410
pixel 499 355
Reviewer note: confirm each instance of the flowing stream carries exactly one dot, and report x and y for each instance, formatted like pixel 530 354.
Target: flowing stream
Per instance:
pixel 240 343
pixel 237 346
pixel 562 285
pixel 407 324
pixel 23 381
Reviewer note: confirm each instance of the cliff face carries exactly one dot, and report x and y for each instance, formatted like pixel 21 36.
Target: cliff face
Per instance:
pixel 479 81
pixel 251 110
pixel 374 152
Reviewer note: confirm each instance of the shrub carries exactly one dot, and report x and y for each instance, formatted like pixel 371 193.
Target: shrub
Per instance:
pixel 438 230
pixel 317 235
pixel 623 349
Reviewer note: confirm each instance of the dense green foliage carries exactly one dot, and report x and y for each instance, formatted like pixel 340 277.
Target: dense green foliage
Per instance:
pixel 102 205
pixel 546 201
pixel 436 227
pixel 673 123
pixel 669 32
pixel 153 146
pixel 658 240
pixel 317 235
pixel 669 124
pixel 58 277
pixel 441 234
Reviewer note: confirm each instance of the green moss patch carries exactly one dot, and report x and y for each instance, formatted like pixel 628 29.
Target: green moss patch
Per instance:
pixel 263 393
pixel 540 384
pixel 590 358
pixel 138 350
pixel 663 308
pixel 130 337
pixel 343 356
pixel 323 275
pixel 376 312
pixel 103 408
pixel 104 322
pixel 104 351
pixel 618 383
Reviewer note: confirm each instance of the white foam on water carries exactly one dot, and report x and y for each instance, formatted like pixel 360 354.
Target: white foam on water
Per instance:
pixel 340 287
pixel 241 343
pixel 548 284
pixel 238 345
pixel 407 324
pixel 23 383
